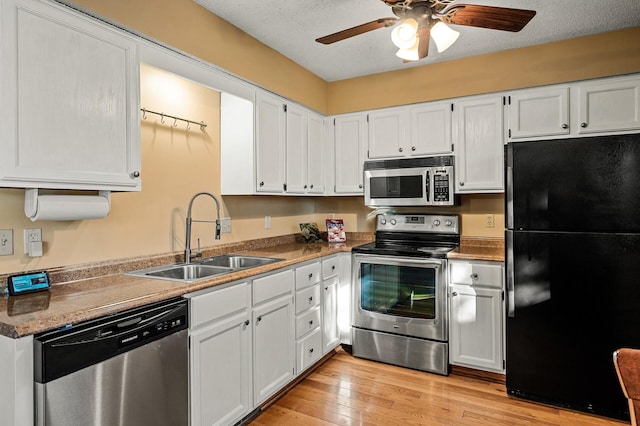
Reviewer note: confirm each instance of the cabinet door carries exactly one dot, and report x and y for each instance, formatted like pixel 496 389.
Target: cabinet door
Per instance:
pixel 350 143
pixel 330 332
pixel 479 144
pixel 315 154
pixel 273 347
pixel 387 129
pixel 221 371
pixel 539 113
pixel 476 327
pixel 609 106
pixel 431 128
pixel 270 143
pixel 296 149
pixel 70 100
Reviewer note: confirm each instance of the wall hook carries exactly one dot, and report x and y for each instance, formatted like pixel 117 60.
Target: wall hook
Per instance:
pixel 175 122
pixel 202 126
pixel 162 117
pixel 144 114
pixel 188 125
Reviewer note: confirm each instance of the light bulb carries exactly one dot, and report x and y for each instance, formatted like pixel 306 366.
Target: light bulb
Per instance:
pixel 443 36
pixel 410 54
pixel 404 35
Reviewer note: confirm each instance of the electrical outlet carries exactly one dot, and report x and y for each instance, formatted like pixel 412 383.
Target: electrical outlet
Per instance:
pixel 225 225
pixel 489 221
pixel 331 216
pixel 267 222
pixel 31 235
pixel 6 242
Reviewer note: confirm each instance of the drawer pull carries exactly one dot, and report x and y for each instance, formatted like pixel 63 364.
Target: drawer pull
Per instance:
pixel 333 267
pixel 311 322
pixel 311 350
pixel 259 319
pixel 310 276
pixel 474 276
pixel 246 322
pixel 455 293
pixel 310 299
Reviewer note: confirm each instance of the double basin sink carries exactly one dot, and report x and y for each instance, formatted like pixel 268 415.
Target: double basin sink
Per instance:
pixel 204 268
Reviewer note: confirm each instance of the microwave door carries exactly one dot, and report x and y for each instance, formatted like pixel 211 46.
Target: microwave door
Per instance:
pixel 396 187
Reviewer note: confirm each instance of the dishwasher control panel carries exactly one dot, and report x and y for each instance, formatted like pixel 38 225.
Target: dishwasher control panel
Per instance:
pixel 152 331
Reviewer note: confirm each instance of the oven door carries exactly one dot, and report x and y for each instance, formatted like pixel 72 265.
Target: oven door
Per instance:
pixel 397 187
pixel 400 295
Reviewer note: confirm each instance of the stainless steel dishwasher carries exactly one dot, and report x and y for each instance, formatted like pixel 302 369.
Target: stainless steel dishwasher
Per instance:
pixel 128 369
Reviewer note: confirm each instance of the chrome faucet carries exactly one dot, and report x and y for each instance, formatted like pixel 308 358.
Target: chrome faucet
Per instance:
pixel 187 240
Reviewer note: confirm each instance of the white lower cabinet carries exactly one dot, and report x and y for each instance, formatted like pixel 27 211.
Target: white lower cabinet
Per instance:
pixel 273 334
pixel 308 316
pixel 220 356
pixel 330 285
pixel 476 326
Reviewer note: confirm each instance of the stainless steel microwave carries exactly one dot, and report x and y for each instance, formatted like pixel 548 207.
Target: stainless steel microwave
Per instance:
pixel 426 181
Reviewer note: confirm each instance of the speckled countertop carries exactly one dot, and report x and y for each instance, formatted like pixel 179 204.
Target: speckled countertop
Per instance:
pixel 471 248
pixel 91 291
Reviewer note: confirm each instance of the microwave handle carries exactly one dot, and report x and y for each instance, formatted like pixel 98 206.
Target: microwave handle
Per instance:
pixel 428 186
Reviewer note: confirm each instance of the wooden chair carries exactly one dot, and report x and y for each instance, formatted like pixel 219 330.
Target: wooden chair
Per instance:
pixel 627 363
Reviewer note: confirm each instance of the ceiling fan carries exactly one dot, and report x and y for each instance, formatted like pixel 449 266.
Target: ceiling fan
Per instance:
pixel 424 19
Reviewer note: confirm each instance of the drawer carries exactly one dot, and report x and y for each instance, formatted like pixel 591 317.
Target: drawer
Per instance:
pixel 330 267
pixel 271 286
pixel 307 298
pixel 308 350
pixel 470 273
pixel 307 321
pixel 307 275
pixel 218 303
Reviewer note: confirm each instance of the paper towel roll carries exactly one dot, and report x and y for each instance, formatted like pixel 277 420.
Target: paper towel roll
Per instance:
pixel 66 207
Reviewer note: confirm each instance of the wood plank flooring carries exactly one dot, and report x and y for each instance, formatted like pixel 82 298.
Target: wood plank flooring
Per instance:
pixel 350 391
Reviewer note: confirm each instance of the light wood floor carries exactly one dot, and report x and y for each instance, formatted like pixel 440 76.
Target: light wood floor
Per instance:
pixel 351 391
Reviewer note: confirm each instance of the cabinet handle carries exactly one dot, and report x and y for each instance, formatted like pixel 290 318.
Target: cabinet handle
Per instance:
pixel 461 183
pixel 311 350
pixel 261 183
pixel 310 276
pixel 311 322
pixel 583 125
pixel 474 276
pixel 311 186
pixel 400 149
pixel 413 148
pixel 246 322
pixel 135 174
pixel 259 318
pixel 455 293
pixel 310 299
pixel 333 267
pixel 305 187
pixel 326 288
pixel 565 126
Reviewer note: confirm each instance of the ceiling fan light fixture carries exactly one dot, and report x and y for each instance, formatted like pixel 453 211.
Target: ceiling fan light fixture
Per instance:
pixel 404 35
pixel 410 54
pixel 443 36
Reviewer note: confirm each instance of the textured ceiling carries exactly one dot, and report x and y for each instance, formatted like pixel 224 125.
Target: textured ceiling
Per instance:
pixel 291 27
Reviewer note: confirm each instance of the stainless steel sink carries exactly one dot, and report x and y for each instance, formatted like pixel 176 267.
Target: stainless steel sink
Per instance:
pixel 205 268
pixel 236 262
pixel 182 272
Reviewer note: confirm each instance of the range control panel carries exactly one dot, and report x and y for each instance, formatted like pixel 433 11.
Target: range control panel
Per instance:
pixel 418 223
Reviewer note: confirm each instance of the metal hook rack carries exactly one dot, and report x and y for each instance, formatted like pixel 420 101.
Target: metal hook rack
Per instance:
pixel 202 124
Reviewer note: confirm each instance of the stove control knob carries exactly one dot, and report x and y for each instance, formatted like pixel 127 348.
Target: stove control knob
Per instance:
pixel 448 223
pixel 383 221
pixel 436 222
pixel 393 221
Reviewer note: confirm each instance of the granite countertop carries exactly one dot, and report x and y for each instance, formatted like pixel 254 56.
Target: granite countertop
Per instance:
pixel 82 293
pixel 491 249
pixel 82 299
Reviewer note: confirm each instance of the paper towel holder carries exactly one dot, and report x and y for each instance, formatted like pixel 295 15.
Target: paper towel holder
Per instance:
pixel 31 200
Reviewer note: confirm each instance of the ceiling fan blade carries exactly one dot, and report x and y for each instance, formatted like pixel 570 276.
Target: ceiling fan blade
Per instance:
pixel 357 30
pixel 495 18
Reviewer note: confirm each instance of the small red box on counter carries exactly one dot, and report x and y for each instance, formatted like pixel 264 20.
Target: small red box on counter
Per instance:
pixel 335 231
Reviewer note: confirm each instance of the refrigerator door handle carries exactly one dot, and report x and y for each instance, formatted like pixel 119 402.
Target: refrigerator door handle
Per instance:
pixel 511 302
pixel 509 198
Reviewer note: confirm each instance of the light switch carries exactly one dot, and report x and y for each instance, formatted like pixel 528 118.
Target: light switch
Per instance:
pixel 6 242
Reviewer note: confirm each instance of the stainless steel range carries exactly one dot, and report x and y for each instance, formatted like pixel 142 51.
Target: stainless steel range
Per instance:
pixel 400 311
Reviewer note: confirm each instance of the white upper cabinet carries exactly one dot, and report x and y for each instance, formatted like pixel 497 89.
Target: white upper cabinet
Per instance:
pixel 430 128
pixel 350 146
pixel 296 154
pixel 270 143
pixel 478 140
pixel 387 132
pixel 315 154
pixel 417 130
pixel 539 113
pixel 611 105
pixel 69 91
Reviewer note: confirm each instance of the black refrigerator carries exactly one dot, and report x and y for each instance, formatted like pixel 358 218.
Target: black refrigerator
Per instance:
pixel 573 269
